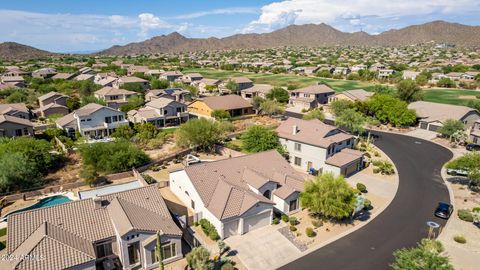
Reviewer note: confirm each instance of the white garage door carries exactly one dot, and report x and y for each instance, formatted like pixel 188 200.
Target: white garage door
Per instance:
pixel 230 228
pixel 256 221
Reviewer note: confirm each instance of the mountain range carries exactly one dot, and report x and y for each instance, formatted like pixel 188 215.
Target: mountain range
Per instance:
pixel 310 35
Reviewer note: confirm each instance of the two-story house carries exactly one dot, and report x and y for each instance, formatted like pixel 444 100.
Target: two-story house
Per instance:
pixel 114 97
pixel 192 78
pixel 385 73
pixel 258 90
pixel 177 94
pixel 93 121
pixel 239 194
pixel 171 76
pixel 315 146
pixel 310 97
pixel 52 103
pixel 114 231
pixel 15 120
pixel 475 132
pixel 131 80
pixel 161 112
pixel 44 73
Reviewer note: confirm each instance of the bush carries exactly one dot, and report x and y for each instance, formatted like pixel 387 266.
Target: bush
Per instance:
pixel 293 221
pixel 460 239
pixel 227 266
pixel 293 228
pixel 317 223
pixel 150 180
pixel 209 229
pixel 285 218
pixel 367 155
pixel 367 204
pixel 309 232
pixel 361 187
pixel 376 170
pixel 384 167
pixel 275 221
pixel 465 215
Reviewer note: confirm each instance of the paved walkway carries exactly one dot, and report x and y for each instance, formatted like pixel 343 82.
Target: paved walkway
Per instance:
pixel 263 248
pixel 422 134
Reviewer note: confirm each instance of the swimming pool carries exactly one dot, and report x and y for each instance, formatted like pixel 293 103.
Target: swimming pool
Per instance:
pixel 92 193
pixel 45 202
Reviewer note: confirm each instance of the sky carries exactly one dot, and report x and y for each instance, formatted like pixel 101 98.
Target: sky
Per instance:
pixel 92 25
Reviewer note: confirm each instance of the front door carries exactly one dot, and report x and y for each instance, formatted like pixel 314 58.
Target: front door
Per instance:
pixel 134 253
pixel 309 165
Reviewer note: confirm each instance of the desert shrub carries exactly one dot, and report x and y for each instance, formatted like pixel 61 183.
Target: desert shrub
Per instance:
pixel 309 232
pixel 465 215
pixel 367 155
pixel 150 180
pixel 367 204
pixel 227 266
pixel 293 221
pixel 209 229
pixel 285 218
pixel 293 228
pixel 361 187
pixel 275 221
pixel 460 239
pixel 384 167
pixel 317 223
pixel 376 170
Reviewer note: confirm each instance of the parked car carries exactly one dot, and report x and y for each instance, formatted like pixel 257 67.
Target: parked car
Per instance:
pixel 444 210
pixel 473 147
pixel 457 172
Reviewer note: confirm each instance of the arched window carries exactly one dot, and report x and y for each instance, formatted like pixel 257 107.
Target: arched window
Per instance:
pixel 267 194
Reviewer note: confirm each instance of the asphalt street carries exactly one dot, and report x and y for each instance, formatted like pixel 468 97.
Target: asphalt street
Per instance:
pixel 403 222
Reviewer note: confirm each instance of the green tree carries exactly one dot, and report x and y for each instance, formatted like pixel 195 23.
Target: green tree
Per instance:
pixel 324 73
pixel 232 86
pixel 134 102
pixel 271 107
pixel 199 259
pixel 17 97
pixel 133 86
pixel 257 102
pixel 123 132
pixel 278 94
pixel 314 114
pixel 259 138
pixel 425 256
pixel 421 80
pixel 220 114
pixel 351 120
pixel 201 132
pixel 446 82
pixel 92 99
pixel 339 106
pixel 469 162
pixel 388 109
pixel 73 103
pixel 409 91
pixel 15 172
pixel 450 127
pixel 329 196
pixel 145 131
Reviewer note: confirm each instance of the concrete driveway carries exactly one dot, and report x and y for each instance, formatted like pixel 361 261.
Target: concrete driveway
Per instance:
pixel 264 248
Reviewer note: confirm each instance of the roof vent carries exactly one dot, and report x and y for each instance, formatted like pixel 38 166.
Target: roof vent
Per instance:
pixel 294 129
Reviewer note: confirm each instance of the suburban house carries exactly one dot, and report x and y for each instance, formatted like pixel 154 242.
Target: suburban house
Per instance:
pixel 85 70
pixel 385 73
pixel 475 133
pixel 84 77
pixel 340 70
pixel 315 146
pixel 205 83
pixel 258 90
pixel 92 120
pixel 114 97
pixel 431 116
pixel 131 80
pixel 131 70
pixel 351 95
pixel 115 231
pixel 105 79
pixel 52 103
pixel 310 97
pixel 192 77
pixel 357 68
pixel 63 76
pixel 239 194
pixel 241 82
pixel 16 81
pixel 234 104
pixel 18 110
pixel 15 72
pixel 44 73
pixel 11 126
pixel 306 70
pixel 408 74
pixel 177 94
pixel 161 112
pixel 171 76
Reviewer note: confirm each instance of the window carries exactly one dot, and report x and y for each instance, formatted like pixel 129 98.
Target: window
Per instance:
pixel 108 119
pixel 169 250
pixel 348 142
pixel 298 147
pixel 133 253
pixel 298 161
pixel 89 119
pixel 165 112
pixel 267 194
pixel 120 118
pixel 293 205
pixel 179 109
pixel 25 131
pixel 114 118
pixel 104 249
pixel 18 132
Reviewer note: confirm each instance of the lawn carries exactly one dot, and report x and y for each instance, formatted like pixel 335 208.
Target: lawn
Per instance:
pixel 3 232
pixel 447 96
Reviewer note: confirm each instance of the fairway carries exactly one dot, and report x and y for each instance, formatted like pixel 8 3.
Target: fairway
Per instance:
pixel 447 96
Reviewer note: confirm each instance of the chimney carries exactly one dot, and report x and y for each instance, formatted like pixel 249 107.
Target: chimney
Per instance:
pixel 294 129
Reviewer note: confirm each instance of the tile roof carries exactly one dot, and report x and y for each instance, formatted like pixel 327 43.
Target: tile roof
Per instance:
pixel 65 120
pixel 259 88
pixel 4 108
pixel 111 91
pixel 16 120
pixel 431 112
pixel 313 132
pixel 131 79
pixel 357 94
pixel 344 157
pixel 241 80
pixel 228 102
pixel 223 185
pixel 49 95
pixel 315 89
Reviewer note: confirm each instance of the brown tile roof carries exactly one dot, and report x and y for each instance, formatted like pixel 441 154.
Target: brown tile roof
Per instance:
pixel 259 88
pixel 16 120
pixel 315 89
pixel 344 157
pixel 228 102
pixel 49 95
pixel 65 120
pixel 357 94
pixel 111 91
pixel 313 132
pixel 21 107
pixel 241 80
pixel 223 185
pixel 431 112
pixel 131 79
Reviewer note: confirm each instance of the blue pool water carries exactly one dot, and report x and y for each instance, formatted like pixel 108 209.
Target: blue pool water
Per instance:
pixel 45 202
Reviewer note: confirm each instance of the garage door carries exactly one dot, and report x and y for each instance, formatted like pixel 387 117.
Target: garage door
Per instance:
pixel 432 127
pixel 231 228
pixel 351 169
pixel 256 221
pixel 423 125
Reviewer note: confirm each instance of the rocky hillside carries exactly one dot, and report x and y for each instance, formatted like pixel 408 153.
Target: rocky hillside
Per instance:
pixel 16 51
pixel 308 35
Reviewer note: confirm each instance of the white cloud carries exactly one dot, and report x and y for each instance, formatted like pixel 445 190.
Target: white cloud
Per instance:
pixel 148 22
pixel 223 11
pixel 278 14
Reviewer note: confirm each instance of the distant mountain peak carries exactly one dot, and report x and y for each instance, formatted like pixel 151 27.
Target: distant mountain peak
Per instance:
pixel 15 51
